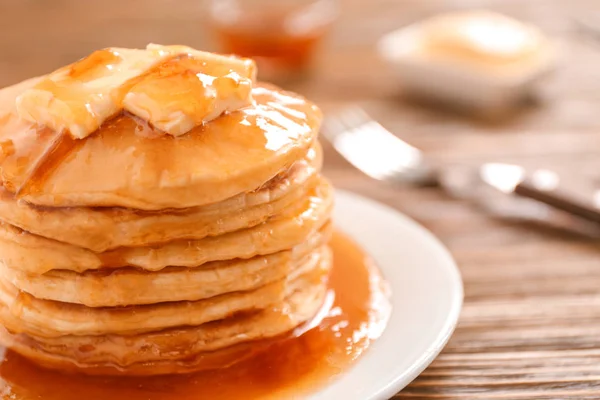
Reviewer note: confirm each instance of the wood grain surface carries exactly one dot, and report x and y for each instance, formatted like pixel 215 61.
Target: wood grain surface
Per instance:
pixel 530 328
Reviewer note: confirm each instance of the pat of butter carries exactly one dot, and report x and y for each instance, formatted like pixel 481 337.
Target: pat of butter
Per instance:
pixel 173 87
pixel 80 97
pixel 480 36
pixel 191 89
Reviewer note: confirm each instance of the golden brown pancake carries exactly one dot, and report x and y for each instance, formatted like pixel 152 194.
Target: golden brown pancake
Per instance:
pixel 170 351
pixel 127 163
pixel 133 286
pixel 37 255
pixel 24 313
pixel 102 229
pixel 160 212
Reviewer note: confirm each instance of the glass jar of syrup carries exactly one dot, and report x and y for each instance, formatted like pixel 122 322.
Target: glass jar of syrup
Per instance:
pixel 281 35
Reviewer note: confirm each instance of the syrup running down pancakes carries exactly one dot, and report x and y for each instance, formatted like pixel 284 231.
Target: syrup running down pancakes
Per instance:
pixel 161 212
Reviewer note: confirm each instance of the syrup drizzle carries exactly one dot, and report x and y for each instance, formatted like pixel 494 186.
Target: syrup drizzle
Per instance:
pixel 58 148
pixel 180 85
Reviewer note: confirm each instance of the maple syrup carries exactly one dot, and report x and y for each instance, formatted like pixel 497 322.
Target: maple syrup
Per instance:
pixel 281 36
pixel 288 368
pixel 58 147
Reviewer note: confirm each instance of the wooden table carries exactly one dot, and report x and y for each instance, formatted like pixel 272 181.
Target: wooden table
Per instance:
pixel 530 327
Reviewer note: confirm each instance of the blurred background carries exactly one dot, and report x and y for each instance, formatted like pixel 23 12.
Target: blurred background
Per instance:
pixel 39 36
pixel 530 285
pixel 338 64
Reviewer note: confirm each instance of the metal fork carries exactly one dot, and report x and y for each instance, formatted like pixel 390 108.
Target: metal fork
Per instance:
pixel 380 154
pixel 376 151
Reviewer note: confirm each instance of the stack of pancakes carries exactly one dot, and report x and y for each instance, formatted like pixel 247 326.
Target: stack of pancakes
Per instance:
pixel 133 251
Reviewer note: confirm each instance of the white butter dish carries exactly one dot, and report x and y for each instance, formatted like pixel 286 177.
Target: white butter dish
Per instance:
pixel 477 59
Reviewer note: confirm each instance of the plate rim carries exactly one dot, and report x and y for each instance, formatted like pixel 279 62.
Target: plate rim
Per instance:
pixel 399 382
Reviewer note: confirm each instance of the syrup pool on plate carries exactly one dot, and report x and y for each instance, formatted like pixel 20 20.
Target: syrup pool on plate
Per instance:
pixel 357 313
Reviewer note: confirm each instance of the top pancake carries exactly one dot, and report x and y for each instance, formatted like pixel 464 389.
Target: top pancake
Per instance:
pixel 101 229
pixel 128 163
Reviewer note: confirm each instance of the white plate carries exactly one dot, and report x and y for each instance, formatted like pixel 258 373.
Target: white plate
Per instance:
pixel 426 298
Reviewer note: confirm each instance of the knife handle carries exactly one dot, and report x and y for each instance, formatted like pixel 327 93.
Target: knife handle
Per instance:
pixel 557 196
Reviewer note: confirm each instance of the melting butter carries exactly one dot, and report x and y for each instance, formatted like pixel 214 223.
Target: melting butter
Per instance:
pixel 188 90
pixel 79 97
pixel 172 87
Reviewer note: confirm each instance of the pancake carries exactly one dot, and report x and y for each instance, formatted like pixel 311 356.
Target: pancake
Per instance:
pixel 128 163
pixel 25 313
pixel 37 255
pixel 170 351
pixel 160 212
pixel 102 229
pixel 131 286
